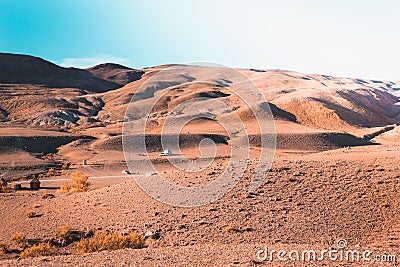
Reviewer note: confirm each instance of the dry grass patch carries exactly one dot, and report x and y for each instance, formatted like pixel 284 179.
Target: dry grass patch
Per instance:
pixel 41 249
pixel 103 240
pixel 82 242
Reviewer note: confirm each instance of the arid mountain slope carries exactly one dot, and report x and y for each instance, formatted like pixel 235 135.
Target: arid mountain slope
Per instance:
pixel 312 112
pixel 36 92
pixel 22 69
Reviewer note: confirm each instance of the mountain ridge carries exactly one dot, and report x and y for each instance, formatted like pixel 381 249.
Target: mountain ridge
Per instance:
pixel 312 100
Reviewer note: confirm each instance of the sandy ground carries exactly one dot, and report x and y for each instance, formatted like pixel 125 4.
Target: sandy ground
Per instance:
pixel 308 200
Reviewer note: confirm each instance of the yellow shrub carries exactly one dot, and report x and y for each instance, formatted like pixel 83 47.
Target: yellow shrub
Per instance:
pixel 110 241
pixel 41 249
pixel 79 183
pixel 65 235
pixel 65 187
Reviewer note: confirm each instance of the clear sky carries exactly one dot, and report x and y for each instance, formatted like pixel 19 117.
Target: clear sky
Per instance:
pixel 338 37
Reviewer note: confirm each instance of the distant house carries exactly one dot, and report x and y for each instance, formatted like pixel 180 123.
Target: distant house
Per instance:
pixel 166 152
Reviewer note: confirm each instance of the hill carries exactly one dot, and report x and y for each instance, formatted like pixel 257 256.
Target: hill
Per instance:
pixel 115 73
pixel 23 69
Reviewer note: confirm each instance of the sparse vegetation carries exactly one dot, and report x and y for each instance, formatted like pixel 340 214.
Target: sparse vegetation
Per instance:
pixel 79 183
pixel 63 231
pixel 4 188
pixel 90 241
pixel 84 242
pixel 104 240
pixel 20 239
pixel 65 235
pixel 3 248
pixel 41 249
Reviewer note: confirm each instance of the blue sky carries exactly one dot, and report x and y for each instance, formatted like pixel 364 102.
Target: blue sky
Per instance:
pixel 342 38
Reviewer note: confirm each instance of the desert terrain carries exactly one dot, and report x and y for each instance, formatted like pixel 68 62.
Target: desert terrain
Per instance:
pixel 335 173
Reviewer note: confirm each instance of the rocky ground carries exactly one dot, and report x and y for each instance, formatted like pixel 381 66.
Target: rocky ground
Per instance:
pixel 309 200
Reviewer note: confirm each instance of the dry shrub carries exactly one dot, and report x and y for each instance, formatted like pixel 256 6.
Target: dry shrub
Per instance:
pixel 41 249
pixel 79 183
pixel 103 240
pixel 65 187
pixel 20 239
pixel 4 188
pixel 3 248
pixel 51 172
pixel 65 235
pixel 63 231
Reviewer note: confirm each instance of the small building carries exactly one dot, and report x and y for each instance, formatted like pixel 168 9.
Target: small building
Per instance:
pixel 35 184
